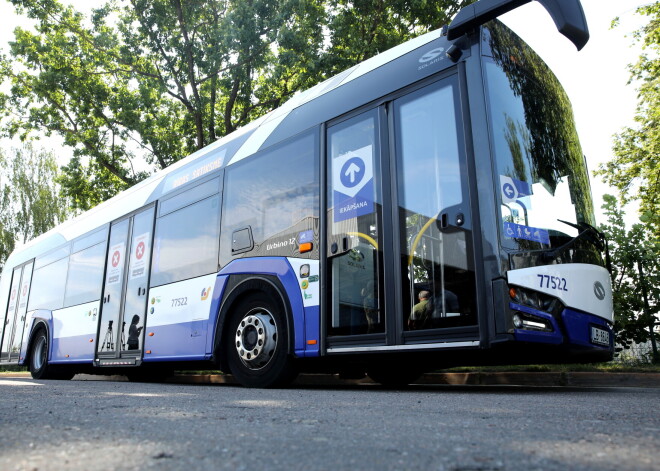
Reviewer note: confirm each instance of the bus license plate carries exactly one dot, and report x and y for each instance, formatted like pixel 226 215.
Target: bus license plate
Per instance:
pixel 600 336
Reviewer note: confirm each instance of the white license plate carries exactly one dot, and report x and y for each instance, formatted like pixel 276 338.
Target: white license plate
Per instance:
pixel 600 336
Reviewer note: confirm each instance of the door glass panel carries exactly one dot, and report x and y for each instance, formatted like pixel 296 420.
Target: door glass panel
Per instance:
pixel 113 286
pixel 22 309
pixel 137 281
pixel 438 274
pixel 353 226
pixel 8 324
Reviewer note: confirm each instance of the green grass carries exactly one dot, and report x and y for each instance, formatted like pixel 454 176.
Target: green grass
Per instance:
pixel 12 369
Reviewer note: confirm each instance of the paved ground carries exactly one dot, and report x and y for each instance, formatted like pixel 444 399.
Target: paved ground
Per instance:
pixel 118 425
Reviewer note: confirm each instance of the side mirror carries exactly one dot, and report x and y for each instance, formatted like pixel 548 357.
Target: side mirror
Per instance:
pixel 568 16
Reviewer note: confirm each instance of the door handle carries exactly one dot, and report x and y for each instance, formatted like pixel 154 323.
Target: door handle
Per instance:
pixel 451 220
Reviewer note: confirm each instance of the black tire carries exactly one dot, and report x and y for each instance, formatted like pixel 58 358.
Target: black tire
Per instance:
pixel 256 344
pixel 394 376
pixel 39 366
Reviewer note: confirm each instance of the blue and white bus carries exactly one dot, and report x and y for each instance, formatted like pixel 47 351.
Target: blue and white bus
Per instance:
pixel 427 208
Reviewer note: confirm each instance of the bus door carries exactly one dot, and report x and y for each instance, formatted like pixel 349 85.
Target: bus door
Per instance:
pixel 400 256
pixel 123 308
pixel 354 227
pixel 432 217
pixel 14 324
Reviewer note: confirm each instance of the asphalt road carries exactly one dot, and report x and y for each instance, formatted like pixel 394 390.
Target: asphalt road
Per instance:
pixel 99 425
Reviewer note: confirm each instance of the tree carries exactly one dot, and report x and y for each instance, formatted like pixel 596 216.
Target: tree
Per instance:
pixel 635 255
pixel 142 83
pixel 635 168
pixel 30 203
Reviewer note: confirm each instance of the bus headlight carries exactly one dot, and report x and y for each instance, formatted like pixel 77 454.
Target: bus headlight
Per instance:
pixel 517 321
pixel 523 320
pixel 530 298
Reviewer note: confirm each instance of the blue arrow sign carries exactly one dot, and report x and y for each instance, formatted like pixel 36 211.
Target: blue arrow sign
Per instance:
pixel 352 172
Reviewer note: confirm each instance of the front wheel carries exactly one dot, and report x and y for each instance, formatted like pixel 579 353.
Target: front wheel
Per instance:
pixel 256 345
pixel 39 367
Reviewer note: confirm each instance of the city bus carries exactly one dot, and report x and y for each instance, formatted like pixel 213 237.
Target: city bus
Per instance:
pixel 429 207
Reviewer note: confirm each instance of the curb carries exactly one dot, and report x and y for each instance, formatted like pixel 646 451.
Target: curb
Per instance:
pixel 570 379
pixel 541 379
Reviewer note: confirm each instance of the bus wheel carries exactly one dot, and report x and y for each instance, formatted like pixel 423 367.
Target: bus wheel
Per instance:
pixel 39 367
pixel 393 376
pixel 257 345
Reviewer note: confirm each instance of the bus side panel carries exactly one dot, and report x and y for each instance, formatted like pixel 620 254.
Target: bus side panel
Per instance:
pixel 281 268
pixel 74 333
pixel 308 279
pixel 216 304
pixel 178 320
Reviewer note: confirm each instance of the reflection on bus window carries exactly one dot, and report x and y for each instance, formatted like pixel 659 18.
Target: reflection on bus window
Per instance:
pixel 50 279
pixel 353 242
pixel 276 194
pixel 183 249
pixel 429 182
pixel 85 275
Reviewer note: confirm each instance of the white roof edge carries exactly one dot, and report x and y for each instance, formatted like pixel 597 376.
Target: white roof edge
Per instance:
pixel 69 231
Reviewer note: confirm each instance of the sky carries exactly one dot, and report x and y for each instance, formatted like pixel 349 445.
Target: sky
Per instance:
pixel 595 79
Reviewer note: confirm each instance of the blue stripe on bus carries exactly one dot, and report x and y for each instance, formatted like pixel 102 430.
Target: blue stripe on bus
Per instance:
pixel 312 331
pixel 176 342
pixel 78 347
pixel 218 293
pixel 555 337
pixel 578 328
pixel 280 267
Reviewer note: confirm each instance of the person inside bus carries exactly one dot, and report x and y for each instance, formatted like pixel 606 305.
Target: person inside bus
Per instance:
pixel 442 305
pixel 370 304
pixel 419 318
pixel 134 333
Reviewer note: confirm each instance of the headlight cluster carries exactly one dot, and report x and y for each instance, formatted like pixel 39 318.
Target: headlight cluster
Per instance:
pixel 533 299
pixel 538 301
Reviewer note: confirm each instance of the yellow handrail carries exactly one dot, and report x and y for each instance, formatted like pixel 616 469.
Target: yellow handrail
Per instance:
pixel 418 238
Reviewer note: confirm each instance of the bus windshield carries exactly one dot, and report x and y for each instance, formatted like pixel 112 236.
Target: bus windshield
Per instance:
pixel 540 171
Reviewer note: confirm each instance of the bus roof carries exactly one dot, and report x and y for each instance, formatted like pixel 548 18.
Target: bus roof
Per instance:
pixel 361 84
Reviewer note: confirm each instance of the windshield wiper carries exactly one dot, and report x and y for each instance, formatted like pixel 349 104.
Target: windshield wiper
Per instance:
pixel 588 233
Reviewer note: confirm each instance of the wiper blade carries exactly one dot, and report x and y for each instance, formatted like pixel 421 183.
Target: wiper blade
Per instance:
pixel 587 232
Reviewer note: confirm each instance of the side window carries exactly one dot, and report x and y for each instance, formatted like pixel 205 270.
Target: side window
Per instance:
pixel 48 285
pixel 186 242
pixel 276 196
pixel 85 275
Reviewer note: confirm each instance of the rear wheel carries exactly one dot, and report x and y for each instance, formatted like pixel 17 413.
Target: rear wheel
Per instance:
pixel 39 366
pixel 256 344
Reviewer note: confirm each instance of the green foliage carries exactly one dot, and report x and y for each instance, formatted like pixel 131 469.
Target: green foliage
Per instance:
pixel 635 169
pixel 635 275
pixel 142 83
pixel 30 203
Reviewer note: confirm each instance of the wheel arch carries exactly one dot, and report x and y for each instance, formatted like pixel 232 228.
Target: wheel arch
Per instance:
pixel 239 288
pixel 38 324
